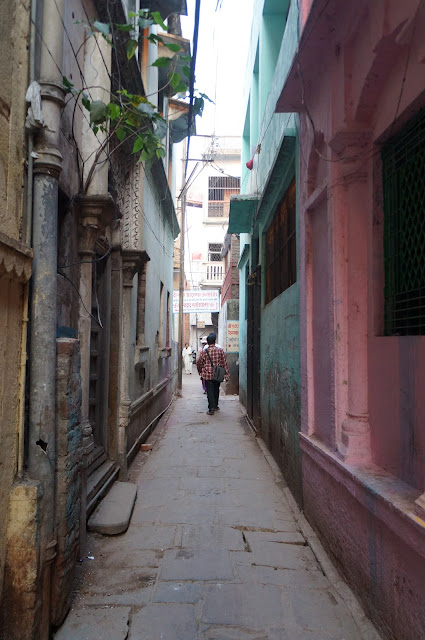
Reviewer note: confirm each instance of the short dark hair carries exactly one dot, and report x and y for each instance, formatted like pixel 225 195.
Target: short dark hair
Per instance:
pixel 211 338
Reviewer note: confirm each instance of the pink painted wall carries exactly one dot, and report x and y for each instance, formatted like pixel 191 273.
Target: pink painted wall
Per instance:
pixel 362 78
pixel 397 407
pixel 358 92
pixel 385 572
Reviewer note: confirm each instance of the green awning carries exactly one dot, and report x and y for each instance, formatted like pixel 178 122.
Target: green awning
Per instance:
pixel 242 211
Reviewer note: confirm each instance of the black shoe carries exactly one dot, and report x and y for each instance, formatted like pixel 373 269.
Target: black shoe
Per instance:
pixel 217 408
pixel 210 413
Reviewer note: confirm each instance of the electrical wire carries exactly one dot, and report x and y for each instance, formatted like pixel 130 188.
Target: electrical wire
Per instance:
pixel 73 264
pixel 192 78
pixel 82 301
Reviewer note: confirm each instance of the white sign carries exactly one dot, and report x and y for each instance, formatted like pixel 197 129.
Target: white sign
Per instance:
pixel 198 301
pixel 232 344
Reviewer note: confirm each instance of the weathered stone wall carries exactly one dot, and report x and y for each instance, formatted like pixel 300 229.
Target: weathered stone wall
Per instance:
pixel 15 258
pixel 10 342
pixel 69 462
pixel 19 606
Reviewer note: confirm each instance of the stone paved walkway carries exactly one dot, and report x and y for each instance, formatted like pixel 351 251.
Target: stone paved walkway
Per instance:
pixel 215 549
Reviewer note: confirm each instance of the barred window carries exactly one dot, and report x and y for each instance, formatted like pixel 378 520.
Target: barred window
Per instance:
pixel 403 167
pixel 220 188
pixel 281 257
pixel 214 251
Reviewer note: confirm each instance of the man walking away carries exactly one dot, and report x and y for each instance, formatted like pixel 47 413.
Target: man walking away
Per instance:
pixel 211 357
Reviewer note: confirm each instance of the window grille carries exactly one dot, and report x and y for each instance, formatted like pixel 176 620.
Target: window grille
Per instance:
pixel 403 166
pixel 281 257
pixel 220 188
pixel 214 252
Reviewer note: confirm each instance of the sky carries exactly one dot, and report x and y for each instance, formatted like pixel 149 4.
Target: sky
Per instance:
pixel 223 42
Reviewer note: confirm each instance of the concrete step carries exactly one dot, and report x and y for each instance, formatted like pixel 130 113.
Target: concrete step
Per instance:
pixel 99 482
pixel 113 514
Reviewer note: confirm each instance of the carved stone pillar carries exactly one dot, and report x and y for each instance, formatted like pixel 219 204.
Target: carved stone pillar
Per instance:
pixel 94 216
pixel 351 232
pixel 132 262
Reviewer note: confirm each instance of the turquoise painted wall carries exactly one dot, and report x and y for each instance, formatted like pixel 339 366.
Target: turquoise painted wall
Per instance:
pixel 271 54
pixel 244 241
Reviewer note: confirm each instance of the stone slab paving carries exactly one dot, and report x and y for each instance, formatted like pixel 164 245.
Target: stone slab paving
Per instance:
pixel 214 550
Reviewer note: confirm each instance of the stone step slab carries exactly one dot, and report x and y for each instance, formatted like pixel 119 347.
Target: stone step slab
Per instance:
pixel 113 514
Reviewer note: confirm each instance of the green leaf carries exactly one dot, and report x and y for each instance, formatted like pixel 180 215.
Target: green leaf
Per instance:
pixel 186 71
pixel 172 47
pixel 144 23
pixel 175 80
pixel 121 134
pixel 157 17
pixel 138 144
pixel 152 37
pixel 86 102
pixel 144 156
pixel 160 128
pixel 95 129
pixel 125 27
pixel 160 153
pixel 113 111
pixel 186 58
pixel 161 62
pixel 182 88
pixel 97 112
pixel 204 95
pixel 67 84
pixel 146 107
pixel 103 27
pixel 131 48
pixel 198 106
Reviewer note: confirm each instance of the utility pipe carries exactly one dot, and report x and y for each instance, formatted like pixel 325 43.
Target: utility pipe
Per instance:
pixel 30 160
pixel 27 232
pixel 42 412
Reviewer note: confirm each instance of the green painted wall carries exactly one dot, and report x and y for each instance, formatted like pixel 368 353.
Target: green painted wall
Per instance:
pixel 280 384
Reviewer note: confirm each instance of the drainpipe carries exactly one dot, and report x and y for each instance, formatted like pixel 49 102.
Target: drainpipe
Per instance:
pixel 27 229
pixel 42 412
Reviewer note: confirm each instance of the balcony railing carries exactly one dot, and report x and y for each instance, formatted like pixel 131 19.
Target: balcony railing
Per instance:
pixel 218 209
pixel 214 272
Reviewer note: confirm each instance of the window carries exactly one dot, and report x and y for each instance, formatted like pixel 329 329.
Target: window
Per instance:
pixel 168 336
pixel 403 173
pixel 281 257
pixel 220 188
pixel 161 340
pixel 141 307
pixel 214 251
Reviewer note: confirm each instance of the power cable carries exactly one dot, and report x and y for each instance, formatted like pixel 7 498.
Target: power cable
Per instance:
pixel 192 78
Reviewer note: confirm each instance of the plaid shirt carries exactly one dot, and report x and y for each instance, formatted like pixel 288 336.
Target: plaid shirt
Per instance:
pixel 217 356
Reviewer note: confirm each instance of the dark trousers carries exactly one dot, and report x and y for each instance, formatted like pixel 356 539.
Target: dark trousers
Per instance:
pixel 213 392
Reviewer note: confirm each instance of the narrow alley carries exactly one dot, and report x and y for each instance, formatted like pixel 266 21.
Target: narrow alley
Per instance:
pixel 216 547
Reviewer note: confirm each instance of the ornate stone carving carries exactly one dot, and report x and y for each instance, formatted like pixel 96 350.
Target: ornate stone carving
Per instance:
pixel 15 259
pixel 132 263
pixel 96 213
pixel 127 176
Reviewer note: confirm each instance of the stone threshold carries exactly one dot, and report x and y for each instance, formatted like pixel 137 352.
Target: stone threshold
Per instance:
pixel 113 514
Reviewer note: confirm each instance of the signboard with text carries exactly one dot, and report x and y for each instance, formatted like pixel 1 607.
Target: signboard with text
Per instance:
pixel 195 301
pixel 232 344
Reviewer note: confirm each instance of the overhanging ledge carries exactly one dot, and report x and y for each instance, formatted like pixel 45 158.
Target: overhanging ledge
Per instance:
pixel 241 215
